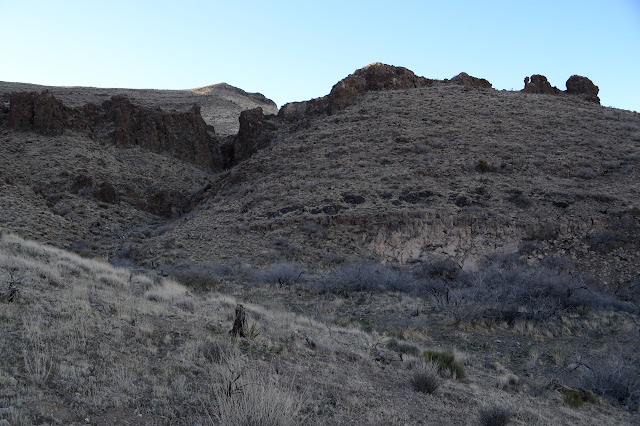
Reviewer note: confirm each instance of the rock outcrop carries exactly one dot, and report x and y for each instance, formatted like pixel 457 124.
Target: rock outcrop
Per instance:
pixel 576 85
pixel 373 77
pixel 538 84
pixel 41 112
pixel 256 132
pixel 467 80
pixel 184 135
pixel 583 87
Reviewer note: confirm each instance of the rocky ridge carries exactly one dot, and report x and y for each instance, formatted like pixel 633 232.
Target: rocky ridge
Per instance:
pixel 184 135
pixel 576 85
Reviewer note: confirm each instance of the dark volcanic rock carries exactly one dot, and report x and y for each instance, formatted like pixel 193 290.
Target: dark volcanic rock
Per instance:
pixel 583 87
pixel 183 134
pixel 40 112
pixel 256 132
pixel 466 80
pixel 373 77
pixel 539 84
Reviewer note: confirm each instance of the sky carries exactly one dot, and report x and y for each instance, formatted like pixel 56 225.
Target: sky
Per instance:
pixel 297 50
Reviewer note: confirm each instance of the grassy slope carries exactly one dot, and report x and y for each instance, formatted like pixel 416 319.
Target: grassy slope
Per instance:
pixel 85 340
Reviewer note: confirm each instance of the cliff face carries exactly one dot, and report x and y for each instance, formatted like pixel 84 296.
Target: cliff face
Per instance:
pixel 184 135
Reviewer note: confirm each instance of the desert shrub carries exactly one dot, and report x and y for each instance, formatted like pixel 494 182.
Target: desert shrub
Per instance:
pixel 427 380
pixel 283 273
pixel 617 380
pixel 214 351
pixel 444 268
pixel 505 291
pixel 403 348
pixel 573 399
pixel 446 361
pixel 285 247
pixel 586 173
pixel 483 167
pixel 333 258
pixel 310 228
pixel 495 415
pixel 366 275
pixel 518 198
pixel 254 396
pixel 198 279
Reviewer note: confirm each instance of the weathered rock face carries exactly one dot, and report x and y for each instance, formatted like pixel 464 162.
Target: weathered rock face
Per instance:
pixel 183 134
pixel 256 132
pixel 180 134
pixel 40 112
pixel 466 80
pixel 583 87
pixel 539 84
pixel 373 77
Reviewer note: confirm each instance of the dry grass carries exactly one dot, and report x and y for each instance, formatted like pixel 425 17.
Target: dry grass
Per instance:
pixel 88 340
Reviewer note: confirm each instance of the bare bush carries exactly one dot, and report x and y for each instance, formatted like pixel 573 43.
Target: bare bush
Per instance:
pixel 283 273
pixel 366 275
pixel 616 380
pixel 507 291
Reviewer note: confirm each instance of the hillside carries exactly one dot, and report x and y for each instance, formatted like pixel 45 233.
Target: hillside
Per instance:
pixel 440 171
pixel 396 220
pixel 86 343
pixel 220 103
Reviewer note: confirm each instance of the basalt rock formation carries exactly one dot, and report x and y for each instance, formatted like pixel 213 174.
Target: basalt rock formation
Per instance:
pixel 467 80
pixel 41 112
pixel 576 85
pixel 582 86
pixel 184 135
pixel 373 77
pixel 256 132
pixel 539 84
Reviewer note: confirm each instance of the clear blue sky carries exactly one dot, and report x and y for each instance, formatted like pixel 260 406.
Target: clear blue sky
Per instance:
pixel 296 50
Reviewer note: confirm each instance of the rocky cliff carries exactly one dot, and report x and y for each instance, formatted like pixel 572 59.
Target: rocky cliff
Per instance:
pixel 184 135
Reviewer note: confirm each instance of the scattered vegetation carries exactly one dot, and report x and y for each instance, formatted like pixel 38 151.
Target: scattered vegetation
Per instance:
pixel 403 348
pixel 283 273
pixel 495 415
pixel 573 399
pixel 446 362
pixel 427 380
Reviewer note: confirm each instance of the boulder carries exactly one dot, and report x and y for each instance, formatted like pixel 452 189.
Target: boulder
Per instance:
pixel 539 84
pixel 583 87
pixel 466 80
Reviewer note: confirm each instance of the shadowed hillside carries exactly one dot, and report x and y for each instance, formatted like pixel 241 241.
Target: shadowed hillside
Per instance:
pixel 408 251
